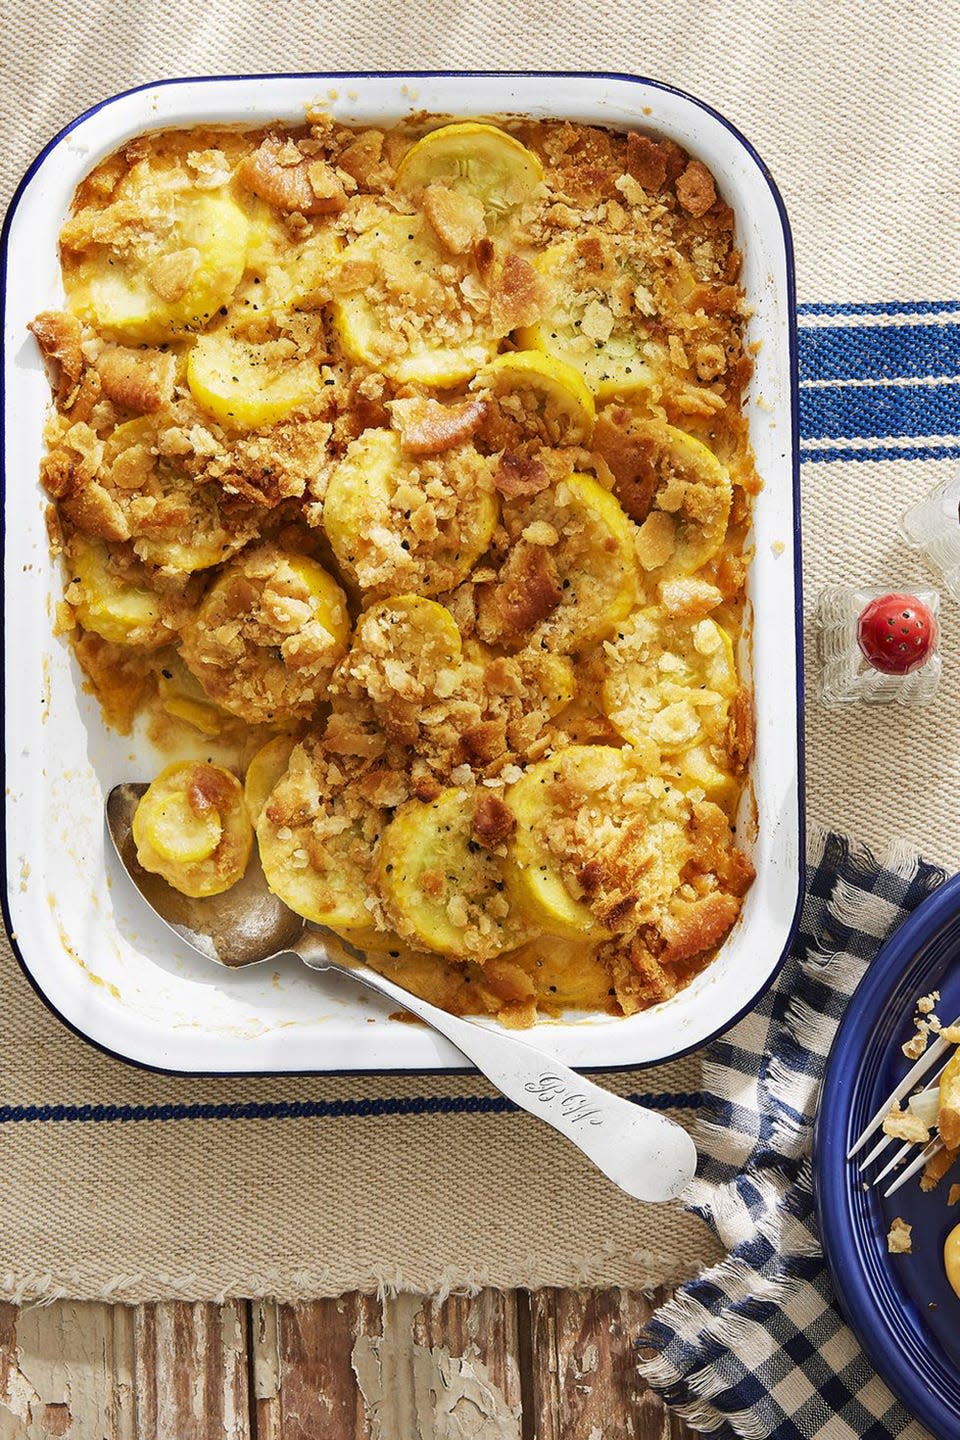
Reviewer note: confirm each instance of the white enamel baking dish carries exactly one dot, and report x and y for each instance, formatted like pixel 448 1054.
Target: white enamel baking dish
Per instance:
pixel 82 934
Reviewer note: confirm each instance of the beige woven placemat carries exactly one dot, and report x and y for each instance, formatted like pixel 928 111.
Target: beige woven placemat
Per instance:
pixel 852 106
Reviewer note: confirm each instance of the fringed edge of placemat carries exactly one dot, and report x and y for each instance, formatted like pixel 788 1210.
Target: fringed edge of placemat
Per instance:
pixel 589 1272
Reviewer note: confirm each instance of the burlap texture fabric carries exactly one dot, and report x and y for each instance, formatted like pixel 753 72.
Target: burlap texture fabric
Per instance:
pixel 121 1184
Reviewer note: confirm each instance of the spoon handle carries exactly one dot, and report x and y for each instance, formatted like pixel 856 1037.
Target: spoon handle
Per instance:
pixel 646 1154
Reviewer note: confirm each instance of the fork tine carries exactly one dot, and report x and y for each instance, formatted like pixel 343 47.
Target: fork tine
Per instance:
pixel 899 1156
pixel 882 1144
pixel 933 1147
pixel 875 1153
pixel 915 1073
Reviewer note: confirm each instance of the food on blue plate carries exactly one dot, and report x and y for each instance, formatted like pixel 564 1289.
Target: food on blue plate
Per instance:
pixel 948 1115
pixel 951 1258
pixel 412 464
pixel 899 1237
pixel 923 1026
pixel 937 1107
pixel 906 1125
pixel 936 1168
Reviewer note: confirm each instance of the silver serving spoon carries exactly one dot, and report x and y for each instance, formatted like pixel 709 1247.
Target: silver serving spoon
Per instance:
pixel 646 1154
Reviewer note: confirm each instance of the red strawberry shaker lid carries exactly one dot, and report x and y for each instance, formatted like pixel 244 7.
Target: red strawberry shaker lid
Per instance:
pixel 897 633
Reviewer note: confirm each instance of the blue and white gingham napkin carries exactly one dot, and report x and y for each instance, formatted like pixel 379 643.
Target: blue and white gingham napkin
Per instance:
pixel 755 1347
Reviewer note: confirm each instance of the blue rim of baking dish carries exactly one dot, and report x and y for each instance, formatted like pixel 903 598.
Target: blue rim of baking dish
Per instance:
pixel 791 308
pixel 889 1328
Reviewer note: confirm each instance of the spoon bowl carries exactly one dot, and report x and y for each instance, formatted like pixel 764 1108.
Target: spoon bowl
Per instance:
pixel 242 926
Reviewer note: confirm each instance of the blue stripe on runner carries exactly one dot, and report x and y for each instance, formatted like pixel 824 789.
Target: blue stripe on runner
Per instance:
pixel 878 307
pixel 905 452
pixel 880 411
pixel 874 352
pixel 304 1109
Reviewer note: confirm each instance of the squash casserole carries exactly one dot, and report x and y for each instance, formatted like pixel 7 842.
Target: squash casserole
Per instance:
pixel 402 488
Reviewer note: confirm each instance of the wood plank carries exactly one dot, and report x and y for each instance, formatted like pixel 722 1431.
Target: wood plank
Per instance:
pixel 303 1380
pixel 191 1371
pixel 351 1369
pixel 466 1363
pixel 66 1370
pixel 582 1372
pixel 345 1369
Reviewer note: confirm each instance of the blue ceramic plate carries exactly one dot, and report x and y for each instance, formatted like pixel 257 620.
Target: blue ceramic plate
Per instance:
pixel 901 1307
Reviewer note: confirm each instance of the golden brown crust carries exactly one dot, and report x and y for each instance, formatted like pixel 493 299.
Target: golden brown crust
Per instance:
pixel 492 820
pixel 456 217
pixel 520 475
pixel 699 926
pixel 518 294
pixel 637 975
pixel 742 727
pixel 209 789
pixel 362 157
pixel 426 427
pixel 899 1241
pixel 628 459
pixel 138 380
pixel 278 173
pixel 259 644
pixel 696 190
pixel 936 1167
pixel 527 590
pixel 482 743
pixel 58 335
pixel 646 161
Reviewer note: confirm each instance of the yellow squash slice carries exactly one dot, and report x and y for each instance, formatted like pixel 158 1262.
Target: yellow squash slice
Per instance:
pixel 544 394
pixel 406 657
pixel 377 942
pixel 191 828
pixel 109 605
pixel 177 275
pixel 951 1250
pixel 306 276
pixel 697 773
pixel 247 386
pixel 568 974
pixel 371 511
pixel 612 352
pixel 596 555
pixel 948 1120
pixel 551 899
pixel 266 768
pixel 182 696
pixel 280 275
pixel 692 495
pixel 669 680
pixel 316 837
pixel 403 318
pixel 481 159
pixel 441 888
pixel 589 546
pixel 175 524
pixel 265 640
pixel 599 844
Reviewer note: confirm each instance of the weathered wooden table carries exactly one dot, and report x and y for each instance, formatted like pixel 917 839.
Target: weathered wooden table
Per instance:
pixel 548 1365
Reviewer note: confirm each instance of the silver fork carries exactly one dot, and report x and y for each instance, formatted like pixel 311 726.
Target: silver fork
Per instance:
pixel 914 1075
